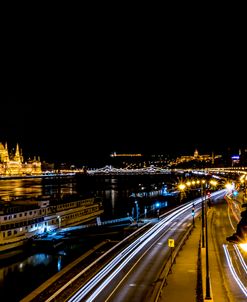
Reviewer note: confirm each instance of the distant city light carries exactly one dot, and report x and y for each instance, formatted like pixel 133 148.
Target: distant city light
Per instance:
pixel 114 154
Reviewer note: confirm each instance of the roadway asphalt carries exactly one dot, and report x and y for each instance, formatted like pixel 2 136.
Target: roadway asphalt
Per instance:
pixel 187 281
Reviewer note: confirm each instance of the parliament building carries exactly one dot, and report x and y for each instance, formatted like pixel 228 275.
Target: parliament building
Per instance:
pixel 12 164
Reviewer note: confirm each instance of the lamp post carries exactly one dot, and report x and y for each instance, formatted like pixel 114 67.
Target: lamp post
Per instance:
pixel 205 225
pixel 207 297
pixel 202 196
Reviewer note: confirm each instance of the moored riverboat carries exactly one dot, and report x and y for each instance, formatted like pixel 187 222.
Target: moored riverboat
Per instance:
pixel 21 220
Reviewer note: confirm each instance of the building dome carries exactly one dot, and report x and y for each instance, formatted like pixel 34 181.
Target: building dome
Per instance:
pixel 196 153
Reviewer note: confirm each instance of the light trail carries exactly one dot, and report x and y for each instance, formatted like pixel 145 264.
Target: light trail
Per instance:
pixel 127 254
pixel 234 274
pixel 144 239
pixel 136 247
pixel 240 257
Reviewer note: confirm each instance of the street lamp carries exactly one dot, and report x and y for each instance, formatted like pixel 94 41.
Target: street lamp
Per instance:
pixel 203 225
pixel 208 297
pixel 181 187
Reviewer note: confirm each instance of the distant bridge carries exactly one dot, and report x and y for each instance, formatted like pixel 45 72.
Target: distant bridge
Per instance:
pixel 110 170
pixel 157 170
pixel 121 171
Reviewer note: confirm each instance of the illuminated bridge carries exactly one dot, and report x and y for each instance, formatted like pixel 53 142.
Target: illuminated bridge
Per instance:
pixel 110 170
pixel 157 170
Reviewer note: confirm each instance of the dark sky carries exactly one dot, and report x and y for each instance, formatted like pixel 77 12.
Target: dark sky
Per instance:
pixel 69 97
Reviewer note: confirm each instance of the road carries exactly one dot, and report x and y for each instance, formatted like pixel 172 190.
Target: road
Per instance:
pixel 132 275
pixel 133 278
pixel 227 263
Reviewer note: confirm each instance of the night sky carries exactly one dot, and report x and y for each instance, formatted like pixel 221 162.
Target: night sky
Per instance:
pixel 67 99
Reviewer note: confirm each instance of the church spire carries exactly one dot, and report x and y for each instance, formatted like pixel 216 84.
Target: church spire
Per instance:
pixel 17 154
pixel 6 157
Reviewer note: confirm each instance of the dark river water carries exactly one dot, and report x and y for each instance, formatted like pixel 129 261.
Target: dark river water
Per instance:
pixel 120 195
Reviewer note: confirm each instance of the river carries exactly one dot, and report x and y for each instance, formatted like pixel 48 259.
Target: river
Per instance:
pixel 120 195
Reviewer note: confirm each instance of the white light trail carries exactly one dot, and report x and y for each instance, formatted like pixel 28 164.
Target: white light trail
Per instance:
pixel 134 248
pixel 122 259
pixel 240 257
pixel 234 274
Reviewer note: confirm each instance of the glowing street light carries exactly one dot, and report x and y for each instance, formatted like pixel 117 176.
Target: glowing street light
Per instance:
pixel 243 246
pixel 213 182
pixel 181 187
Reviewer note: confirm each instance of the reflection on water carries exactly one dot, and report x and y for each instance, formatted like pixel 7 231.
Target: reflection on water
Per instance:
pixel 17 279
pixel 20 187
pixel 21 266
pixel 33 187
pixel 119 195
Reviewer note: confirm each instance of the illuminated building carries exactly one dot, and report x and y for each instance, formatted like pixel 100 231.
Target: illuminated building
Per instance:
pixel 13 164
pixel 196 157
pixel 126 160
pixel 114 154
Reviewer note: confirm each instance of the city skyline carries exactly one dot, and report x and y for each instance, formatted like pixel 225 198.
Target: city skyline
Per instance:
pixel 70 136
pixel 106 157
pixel 80 130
